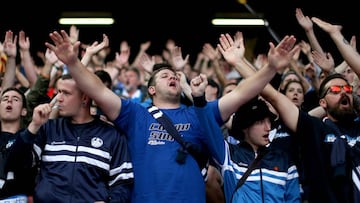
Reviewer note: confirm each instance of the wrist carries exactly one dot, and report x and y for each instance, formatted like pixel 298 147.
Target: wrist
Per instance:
pixel 199 101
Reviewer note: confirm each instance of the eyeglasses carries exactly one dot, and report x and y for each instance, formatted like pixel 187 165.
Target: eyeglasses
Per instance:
pixel 336 89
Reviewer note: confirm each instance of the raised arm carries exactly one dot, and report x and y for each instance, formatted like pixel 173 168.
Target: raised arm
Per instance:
pixel 10 51
pixel 94 48
pixel 210 128
pixel 278 58
pixel 350 55
pixel 214 56
pixel 143 48
pixel 233 52
pixel 26 58
pixel 306 23
pixel 87 81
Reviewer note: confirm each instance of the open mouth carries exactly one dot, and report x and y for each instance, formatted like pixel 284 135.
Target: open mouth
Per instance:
pixel 344 101
pixel 172 84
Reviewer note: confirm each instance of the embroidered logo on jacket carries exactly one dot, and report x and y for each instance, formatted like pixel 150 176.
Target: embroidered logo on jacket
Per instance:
pixel 96 142
pixel 9 144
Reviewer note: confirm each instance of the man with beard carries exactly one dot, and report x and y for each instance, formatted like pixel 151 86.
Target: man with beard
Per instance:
pixel 330 146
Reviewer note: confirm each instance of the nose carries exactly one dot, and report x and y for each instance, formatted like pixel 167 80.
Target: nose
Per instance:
pixel 173 77
pixel 267 125
pixel 59 96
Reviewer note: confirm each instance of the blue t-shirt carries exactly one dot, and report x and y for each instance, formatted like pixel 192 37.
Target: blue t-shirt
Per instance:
pixel 158 177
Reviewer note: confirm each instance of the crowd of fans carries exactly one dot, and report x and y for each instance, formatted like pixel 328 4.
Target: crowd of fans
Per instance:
pixel 77 128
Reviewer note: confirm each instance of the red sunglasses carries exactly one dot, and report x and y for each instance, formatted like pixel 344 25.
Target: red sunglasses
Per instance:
pixel 336 89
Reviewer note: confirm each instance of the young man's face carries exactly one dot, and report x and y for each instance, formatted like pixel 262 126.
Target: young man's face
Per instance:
pixel 257 135
pixel 11 106
pixel 167 83
pixel 69 97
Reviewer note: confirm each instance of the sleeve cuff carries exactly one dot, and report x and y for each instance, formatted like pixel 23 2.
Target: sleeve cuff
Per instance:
pixel 199 101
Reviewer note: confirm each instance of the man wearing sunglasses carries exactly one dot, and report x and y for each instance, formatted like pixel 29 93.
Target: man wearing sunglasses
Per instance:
pixel 336 89
pixel 331 146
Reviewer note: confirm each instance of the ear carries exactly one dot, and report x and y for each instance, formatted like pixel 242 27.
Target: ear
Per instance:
pixel 23 112
pixel 323 103
pixel 151 90
pixel 85 100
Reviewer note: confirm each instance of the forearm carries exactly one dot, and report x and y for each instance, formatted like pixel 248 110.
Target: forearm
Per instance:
pixel 22 79
pixel 350 55
pixel 314 43
pixel 303 80
pixel 198 63
pixel 85 80
pixel 33 128
pixel 92 86
pixel 29 66
pixel 219 73
pixel 245 68
pixel 136 61
pixel 86 59
pixel 187 91
pixel 46 70
pixel 9 77
pixel 341 67
pixel 21 155
pixel 287 110
pixel 246 90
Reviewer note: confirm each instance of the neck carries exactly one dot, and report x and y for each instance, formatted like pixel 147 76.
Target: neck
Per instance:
pixel 166 102
pixel 11 127
pixel 82 118
pixel 166 105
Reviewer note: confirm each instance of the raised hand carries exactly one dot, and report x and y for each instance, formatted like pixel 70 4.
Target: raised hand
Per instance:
pixel 24 42
pixel 232 50
pixel 198 85
pixel 325 61
pixel 74 34
pixel 51 57
pixel 280 56
pixel 304 21
pixel 10 44
pixel 177 59
pixel 96 46
pixel 63 47
pixel 40 116
pixel 327 27
pixel 147 62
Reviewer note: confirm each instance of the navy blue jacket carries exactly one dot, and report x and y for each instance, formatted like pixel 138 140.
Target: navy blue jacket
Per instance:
pixel 78 162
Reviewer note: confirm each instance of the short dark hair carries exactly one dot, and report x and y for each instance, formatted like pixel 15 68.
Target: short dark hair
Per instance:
pixel 104 77
pixel 160 66
pixel 24 105
pixel 151 81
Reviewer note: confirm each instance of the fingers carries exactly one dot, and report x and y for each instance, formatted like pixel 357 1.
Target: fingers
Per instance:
pixel 53 103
